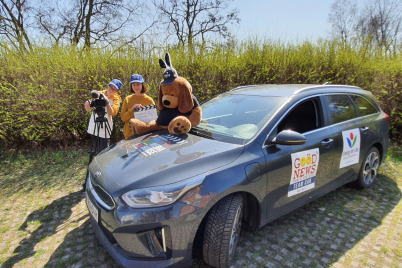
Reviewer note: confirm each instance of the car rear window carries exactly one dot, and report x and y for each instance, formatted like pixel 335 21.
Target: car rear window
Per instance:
pixel 364 107
pixel 341 108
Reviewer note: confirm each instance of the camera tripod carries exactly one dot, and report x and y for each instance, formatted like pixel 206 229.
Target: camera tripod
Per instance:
pixel 98 143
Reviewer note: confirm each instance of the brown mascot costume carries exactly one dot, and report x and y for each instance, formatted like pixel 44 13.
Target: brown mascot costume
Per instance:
pixel 179 108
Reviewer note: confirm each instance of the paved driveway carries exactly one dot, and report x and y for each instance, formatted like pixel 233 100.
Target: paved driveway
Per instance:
pixel 347 228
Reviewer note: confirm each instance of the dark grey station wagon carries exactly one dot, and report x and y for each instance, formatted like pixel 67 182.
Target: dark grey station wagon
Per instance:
pixel 260 152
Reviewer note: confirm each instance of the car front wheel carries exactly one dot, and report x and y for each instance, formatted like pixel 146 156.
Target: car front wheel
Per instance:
pixel 222 231
pixel 369 170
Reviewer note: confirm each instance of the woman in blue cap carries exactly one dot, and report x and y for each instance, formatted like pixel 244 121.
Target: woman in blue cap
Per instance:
pixel 136 100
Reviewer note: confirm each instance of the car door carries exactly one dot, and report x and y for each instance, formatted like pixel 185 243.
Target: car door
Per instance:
pixel 368 117
pixel 296 173
pixel 352 121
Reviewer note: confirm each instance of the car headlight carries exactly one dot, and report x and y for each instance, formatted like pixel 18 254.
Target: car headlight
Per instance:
pixel 161 195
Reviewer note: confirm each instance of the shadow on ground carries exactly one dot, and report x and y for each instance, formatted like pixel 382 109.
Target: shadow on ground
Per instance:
pixel 320 233
pixel 80 248
pixel 316 235
pixel 42 224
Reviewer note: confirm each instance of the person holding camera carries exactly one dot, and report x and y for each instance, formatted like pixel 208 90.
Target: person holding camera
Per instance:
pixel 104 105
pixel 136 100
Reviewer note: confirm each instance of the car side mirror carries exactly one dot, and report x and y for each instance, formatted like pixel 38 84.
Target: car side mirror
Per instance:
pixel 289 137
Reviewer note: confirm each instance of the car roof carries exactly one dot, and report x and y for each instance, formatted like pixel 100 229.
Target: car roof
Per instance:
pixel 287 90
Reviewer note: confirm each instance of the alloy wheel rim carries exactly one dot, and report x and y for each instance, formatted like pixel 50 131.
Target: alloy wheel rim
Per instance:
pixel 371 168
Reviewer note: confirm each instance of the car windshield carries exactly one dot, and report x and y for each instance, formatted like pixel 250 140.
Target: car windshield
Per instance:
pixel 236 118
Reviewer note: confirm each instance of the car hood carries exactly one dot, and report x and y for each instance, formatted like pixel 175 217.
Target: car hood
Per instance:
pixel 159 159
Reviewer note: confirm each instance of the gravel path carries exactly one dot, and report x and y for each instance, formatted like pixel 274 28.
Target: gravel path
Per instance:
pixel 347 228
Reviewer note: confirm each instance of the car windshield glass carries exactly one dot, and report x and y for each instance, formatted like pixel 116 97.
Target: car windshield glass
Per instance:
pixel 236 118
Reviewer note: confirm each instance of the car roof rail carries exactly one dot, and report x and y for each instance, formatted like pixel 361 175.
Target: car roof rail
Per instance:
pixel 240 87
pixel 327 83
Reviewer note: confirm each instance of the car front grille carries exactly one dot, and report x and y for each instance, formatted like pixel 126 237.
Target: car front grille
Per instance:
pixel 104 196
pixel 100 195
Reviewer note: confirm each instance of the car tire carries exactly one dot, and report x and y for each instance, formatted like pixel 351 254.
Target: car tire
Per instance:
pixel 222 231
pixel 369 169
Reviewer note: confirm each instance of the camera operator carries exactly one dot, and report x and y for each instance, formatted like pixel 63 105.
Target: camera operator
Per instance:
pixel 101 137
pixel 104 105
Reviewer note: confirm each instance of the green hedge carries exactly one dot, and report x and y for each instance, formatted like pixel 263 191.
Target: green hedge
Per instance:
pixel 42 92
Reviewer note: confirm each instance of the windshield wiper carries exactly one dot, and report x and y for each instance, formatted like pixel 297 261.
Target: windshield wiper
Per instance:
pixel 202 133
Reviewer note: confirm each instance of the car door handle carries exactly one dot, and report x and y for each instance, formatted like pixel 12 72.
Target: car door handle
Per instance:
pixel 364 129
pixel 327 141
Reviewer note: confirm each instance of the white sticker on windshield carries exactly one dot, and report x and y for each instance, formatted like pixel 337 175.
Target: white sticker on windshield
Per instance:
pixel 304 171
pixel 351 147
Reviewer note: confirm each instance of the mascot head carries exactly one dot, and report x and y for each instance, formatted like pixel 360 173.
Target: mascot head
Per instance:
pixel 174 91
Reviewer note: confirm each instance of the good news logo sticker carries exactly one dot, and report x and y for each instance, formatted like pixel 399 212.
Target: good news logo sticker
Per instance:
pixel 304 171
pixel 351 147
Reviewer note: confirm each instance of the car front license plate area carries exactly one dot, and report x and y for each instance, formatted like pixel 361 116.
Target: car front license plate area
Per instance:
pixel 93 211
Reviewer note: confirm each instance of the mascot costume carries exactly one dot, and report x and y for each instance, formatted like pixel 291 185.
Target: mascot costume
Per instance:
pixel 179 109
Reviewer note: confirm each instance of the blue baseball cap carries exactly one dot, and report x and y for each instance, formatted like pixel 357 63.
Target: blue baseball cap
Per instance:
pixel 117 83
pixel 136 78
pixel 169 76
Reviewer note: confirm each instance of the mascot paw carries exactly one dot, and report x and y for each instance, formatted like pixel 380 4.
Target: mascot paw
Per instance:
pixel 132 124
pixel 179 125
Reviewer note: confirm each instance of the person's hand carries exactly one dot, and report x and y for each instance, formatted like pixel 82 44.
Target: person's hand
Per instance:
pixel 87 105
pixel 137 106
pixel 104 97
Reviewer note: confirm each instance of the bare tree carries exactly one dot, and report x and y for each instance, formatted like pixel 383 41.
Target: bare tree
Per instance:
pixel 13 26
pixel 343 17
pixel 87 22
pixel 189 20
pixel 379 22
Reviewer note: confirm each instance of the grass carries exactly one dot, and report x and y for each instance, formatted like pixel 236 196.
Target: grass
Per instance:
pixel 22 172
pixel 44 222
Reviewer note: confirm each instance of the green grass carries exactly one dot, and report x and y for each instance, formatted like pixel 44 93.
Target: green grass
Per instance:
pixel 4 229
pixel 49 170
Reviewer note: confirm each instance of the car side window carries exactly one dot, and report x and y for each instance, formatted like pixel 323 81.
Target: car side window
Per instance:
pixel 364 107
pixel 341 108
pixel 306 116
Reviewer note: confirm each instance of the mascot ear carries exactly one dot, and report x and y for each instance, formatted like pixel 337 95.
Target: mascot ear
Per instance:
pixel 168 61
pixel 186 99
pixel 160 95
pixel 162 63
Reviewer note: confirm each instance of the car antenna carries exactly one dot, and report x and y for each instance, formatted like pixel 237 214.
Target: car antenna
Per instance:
pixel 327 83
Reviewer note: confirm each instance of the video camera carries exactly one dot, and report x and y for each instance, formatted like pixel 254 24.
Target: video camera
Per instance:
pixel 98 103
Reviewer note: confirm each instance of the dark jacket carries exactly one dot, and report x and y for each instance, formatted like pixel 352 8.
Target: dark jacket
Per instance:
pixel 168 114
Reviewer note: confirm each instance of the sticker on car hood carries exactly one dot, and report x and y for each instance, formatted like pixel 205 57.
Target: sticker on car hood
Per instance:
pixel 156 144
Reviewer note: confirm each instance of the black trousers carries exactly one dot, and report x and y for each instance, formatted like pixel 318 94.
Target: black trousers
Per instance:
pixel 98 145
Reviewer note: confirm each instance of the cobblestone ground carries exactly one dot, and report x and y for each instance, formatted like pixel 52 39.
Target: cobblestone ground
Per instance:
pixel 347 228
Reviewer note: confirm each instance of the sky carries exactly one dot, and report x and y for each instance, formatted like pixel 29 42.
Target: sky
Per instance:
pixel 285 20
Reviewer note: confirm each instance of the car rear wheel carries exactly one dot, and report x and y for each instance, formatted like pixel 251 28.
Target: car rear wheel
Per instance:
pixel 369 170
pixel 222 231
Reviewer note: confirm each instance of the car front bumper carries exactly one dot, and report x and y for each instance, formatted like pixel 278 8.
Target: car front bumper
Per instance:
pixel 158 237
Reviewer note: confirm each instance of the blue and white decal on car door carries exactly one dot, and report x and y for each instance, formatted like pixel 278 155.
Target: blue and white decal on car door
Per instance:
pixel 351 147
